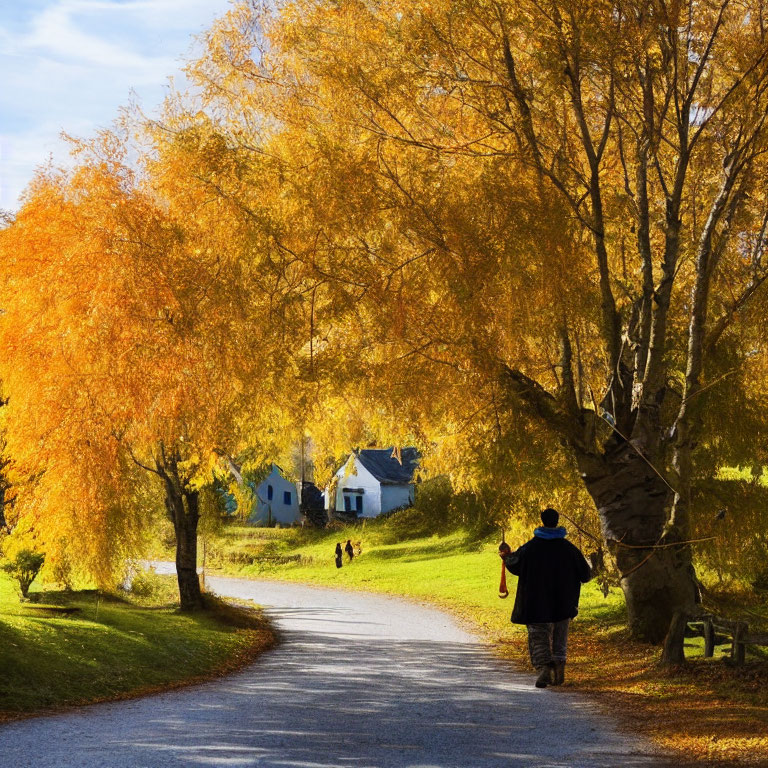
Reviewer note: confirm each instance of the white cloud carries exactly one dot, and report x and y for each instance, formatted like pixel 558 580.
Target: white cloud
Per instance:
pixel 55 33
pixel 73 63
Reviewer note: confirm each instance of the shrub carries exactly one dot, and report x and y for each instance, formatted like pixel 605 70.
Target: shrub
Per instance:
pixel 24 568
pixel 60 568
pixel 152 587
pixel 439 508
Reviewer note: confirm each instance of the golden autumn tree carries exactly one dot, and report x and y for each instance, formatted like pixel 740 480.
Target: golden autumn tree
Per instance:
pixel 140 325
pixel 547 216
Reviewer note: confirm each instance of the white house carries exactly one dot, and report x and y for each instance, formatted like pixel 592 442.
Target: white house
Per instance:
pixel 373 481
pixel 277 501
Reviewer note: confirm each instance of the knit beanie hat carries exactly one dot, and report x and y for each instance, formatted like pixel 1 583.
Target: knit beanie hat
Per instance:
pixel 550 517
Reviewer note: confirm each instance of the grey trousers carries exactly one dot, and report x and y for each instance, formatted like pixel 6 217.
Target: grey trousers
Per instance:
pixel 548 643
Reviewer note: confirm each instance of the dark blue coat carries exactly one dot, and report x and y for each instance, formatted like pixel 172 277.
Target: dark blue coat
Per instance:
pixel 550 573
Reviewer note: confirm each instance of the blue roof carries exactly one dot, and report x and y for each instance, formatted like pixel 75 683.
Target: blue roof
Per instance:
pixel 386 468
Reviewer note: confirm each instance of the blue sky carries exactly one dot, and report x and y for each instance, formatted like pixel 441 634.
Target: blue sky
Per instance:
pixel 68 65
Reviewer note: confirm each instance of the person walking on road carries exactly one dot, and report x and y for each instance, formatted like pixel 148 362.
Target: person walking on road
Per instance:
pixel 550 573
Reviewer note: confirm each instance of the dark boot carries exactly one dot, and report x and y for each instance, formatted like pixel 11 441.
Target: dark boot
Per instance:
pixel 558 674
pixel 545 676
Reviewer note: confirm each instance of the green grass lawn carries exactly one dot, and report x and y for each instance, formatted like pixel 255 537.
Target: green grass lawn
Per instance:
pixel 79 647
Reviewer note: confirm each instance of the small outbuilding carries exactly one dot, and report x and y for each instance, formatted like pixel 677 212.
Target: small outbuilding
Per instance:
pixel 277 501
pixel 312 505
pixel 373 481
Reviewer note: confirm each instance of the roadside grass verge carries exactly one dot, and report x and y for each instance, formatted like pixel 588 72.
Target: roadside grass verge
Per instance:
pixel 709 713
pixel 77 648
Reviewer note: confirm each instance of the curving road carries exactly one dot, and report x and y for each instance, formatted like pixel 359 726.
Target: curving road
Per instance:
pixel 358 680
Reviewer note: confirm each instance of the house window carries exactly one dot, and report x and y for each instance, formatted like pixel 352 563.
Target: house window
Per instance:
pixel 347 504
pixel 270 493
pixel 287 497
pixel 358 504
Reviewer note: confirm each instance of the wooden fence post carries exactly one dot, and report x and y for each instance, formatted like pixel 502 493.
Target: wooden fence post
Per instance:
pixel 709 638
pixel 738 650
pixel 674 652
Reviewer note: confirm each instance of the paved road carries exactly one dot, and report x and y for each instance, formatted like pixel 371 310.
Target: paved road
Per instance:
pixel 359 680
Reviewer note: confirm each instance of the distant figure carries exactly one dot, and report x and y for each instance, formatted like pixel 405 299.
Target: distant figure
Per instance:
pixel 550 573
pixel 349 549
pixel 339 554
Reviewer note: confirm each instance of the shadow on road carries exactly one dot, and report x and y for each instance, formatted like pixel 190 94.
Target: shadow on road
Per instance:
pixel 330 702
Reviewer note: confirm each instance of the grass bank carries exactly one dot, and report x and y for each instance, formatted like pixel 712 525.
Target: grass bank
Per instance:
pixel 711 714
pixel 76 648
